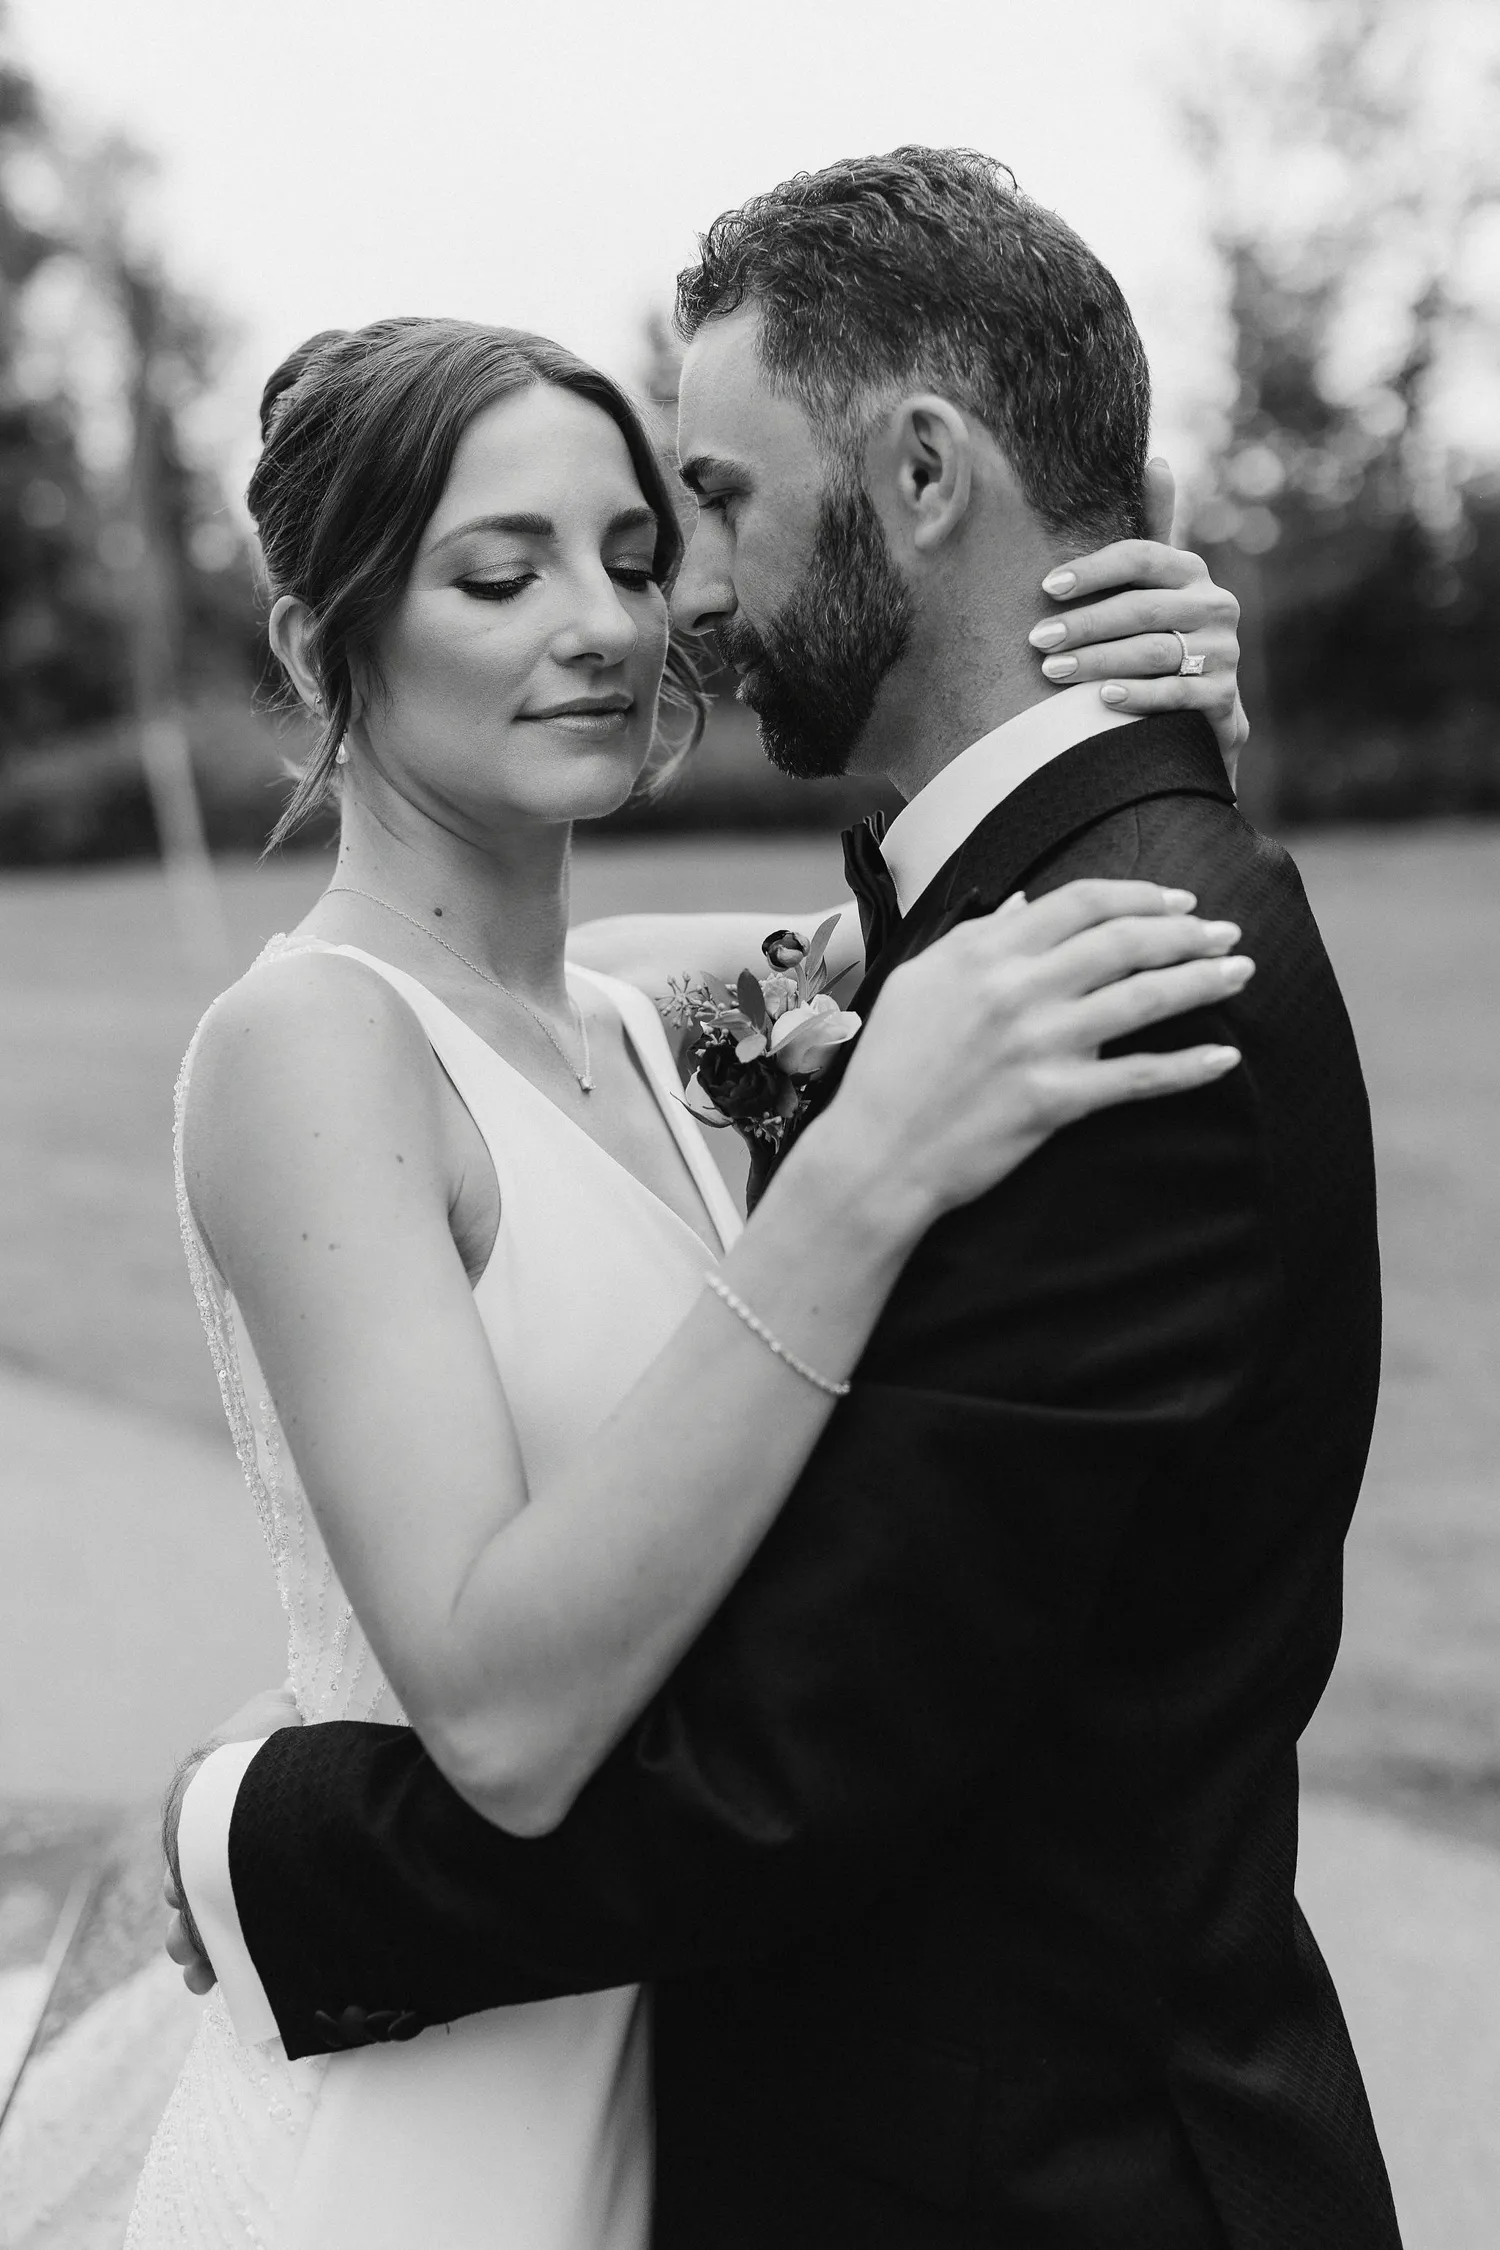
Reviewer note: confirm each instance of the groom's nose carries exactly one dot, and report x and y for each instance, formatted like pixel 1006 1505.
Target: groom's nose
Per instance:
pixel 703 593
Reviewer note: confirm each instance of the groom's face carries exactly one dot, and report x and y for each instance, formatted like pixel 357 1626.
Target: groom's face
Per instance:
pixel 788 566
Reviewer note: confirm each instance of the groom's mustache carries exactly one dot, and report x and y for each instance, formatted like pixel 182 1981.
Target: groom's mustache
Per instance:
pixel 742 649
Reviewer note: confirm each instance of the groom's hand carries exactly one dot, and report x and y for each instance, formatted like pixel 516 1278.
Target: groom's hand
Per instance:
pixel 264 1714
pixel 1129 640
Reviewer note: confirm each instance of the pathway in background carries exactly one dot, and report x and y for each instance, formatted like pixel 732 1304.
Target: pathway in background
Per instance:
pixel 1409 1923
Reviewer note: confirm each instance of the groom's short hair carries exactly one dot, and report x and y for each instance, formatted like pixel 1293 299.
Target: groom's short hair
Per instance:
pixel 930 267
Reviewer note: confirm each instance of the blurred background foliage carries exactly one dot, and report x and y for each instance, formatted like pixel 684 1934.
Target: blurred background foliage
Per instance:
pixel 1352 195
pixel 1354 191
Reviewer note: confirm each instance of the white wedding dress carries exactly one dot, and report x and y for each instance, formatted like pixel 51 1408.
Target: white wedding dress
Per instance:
pixel 523 2128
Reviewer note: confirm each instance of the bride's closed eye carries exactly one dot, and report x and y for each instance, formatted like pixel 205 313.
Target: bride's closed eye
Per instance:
pixel 636 578
pixel 494 589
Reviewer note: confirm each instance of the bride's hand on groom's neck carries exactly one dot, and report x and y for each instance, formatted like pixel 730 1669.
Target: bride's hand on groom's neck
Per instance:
pixel 1135 613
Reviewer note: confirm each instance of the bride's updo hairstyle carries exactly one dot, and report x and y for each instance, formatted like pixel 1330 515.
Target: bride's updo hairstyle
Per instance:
pixel 359 429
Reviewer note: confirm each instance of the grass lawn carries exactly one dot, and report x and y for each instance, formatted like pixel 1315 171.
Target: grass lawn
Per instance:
pixel 97 1003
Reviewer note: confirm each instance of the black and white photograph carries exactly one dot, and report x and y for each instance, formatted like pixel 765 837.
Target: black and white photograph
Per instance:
pixel 749 1125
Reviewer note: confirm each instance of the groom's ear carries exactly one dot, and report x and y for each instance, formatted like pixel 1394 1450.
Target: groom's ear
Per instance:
pixel 921 465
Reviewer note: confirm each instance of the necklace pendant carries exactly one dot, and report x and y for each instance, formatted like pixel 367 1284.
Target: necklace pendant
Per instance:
pixel 585 1085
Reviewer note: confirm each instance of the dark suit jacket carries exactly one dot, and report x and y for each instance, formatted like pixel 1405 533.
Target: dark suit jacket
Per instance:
pixel 960 1848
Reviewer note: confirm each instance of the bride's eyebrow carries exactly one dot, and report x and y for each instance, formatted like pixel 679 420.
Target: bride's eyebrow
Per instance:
pixel 528 526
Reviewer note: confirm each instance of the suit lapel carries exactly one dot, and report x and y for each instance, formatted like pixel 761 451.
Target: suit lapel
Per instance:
pixel 1170 755
pixel 1167 756
pixel 1174 755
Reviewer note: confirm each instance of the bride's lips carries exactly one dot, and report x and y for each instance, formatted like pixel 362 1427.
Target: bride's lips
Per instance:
pixel 587 714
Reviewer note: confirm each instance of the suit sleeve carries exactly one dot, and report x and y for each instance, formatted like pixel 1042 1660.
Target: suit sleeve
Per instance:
pixel 1050 1355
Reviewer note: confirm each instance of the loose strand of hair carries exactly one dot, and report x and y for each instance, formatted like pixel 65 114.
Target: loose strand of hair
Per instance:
pixel 317 780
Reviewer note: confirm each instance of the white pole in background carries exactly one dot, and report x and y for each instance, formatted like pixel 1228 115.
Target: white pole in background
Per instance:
pixel 156 639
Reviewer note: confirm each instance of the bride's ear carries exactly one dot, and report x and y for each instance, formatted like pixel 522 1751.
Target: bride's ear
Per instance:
pixel 289 631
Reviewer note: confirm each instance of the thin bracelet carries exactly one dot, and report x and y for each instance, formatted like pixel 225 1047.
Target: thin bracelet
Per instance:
pixel 757 1327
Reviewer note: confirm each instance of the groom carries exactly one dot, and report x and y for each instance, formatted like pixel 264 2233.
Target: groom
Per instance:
pixel 960 1849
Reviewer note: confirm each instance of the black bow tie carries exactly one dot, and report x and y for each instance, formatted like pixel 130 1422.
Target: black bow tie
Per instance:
pixel 872 883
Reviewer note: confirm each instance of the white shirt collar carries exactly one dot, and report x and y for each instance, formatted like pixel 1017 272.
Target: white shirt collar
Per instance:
pixel 927 832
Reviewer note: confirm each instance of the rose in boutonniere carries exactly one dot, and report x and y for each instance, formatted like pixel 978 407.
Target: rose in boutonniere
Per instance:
pixel 743 1093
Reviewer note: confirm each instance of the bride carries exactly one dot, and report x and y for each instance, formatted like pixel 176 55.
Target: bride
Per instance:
pixel 473 1283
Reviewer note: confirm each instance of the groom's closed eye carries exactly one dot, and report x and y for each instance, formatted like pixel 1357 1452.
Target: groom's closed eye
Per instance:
pixel 713 482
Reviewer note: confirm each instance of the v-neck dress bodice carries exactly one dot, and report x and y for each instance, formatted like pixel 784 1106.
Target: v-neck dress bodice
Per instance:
pixel 526 2128
pixel 590 1271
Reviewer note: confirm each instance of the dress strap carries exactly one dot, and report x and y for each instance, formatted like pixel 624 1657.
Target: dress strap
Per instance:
pixel 485 1082
pixel 648 1038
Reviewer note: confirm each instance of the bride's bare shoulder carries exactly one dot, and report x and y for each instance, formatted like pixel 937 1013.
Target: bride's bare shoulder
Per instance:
pixel 306 1043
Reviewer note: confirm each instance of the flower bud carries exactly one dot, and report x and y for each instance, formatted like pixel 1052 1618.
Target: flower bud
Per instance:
pixel 784 948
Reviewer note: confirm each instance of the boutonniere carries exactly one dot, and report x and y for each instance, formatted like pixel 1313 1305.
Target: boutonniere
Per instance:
pixel 756 1050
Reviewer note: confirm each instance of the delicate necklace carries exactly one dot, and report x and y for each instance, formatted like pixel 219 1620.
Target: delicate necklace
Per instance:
pixel 585 1077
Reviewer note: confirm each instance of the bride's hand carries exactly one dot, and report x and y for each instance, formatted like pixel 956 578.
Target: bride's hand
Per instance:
pixel 264 1714
pixel 980 1048
pixel 1128 640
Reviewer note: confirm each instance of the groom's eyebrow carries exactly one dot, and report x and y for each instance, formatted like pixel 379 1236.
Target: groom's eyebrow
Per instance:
pixel 702 470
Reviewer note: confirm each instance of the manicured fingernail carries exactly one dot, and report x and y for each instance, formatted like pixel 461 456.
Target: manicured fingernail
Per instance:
pixel 1180 902
pixel 1114 693
pixel 1059 667
pixel 1059 582
pixel 1222 1058
pixel 1227 933
pixel 1048 635
pixel 1238 970
pixel 1008 905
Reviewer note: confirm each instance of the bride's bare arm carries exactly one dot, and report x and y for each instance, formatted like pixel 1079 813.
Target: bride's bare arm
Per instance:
pixel 523 1628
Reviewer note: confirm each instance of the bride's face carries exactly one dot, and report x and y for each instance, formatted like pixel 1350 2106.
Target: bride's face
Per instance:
pixel 518 676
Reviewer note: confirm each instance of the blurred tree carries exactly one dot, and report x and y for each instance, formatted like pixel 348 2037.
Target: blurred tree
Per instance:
pixel 125 588
pixel 1355 176
pixel 167 349
pixel 60 657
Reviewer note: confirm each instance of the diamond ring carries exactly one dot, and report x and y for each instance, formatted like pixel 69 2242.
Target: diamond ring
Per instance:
pixel 1191 665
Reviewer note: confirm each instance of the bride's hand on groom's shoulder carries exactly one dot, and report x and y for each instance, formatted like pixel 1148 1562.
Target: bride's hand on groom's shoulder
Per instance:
pixel 982 1046
pixel 1134 613
pixel 265 1713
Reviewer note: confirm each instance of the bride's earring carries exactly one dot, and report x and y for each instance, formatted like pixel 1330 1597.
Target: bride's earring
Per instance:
pixel 341 755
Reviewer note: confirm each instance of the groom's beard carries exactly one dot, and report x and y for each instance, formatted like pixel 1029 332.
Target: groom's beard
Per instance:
pixel 813 676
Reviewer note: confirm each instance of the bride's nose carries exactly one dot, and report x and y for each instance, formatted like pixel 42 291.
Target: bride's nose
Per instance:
pixel 601 628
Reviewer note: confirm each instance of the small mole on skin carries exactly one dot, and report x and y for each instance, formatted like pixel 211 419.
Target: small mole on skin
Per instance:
pixel 437 910
pixel 304 1238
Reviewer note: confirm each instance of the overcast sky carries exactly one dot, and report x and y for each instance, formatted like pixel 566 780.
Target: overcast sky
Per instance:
pixel 547 163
